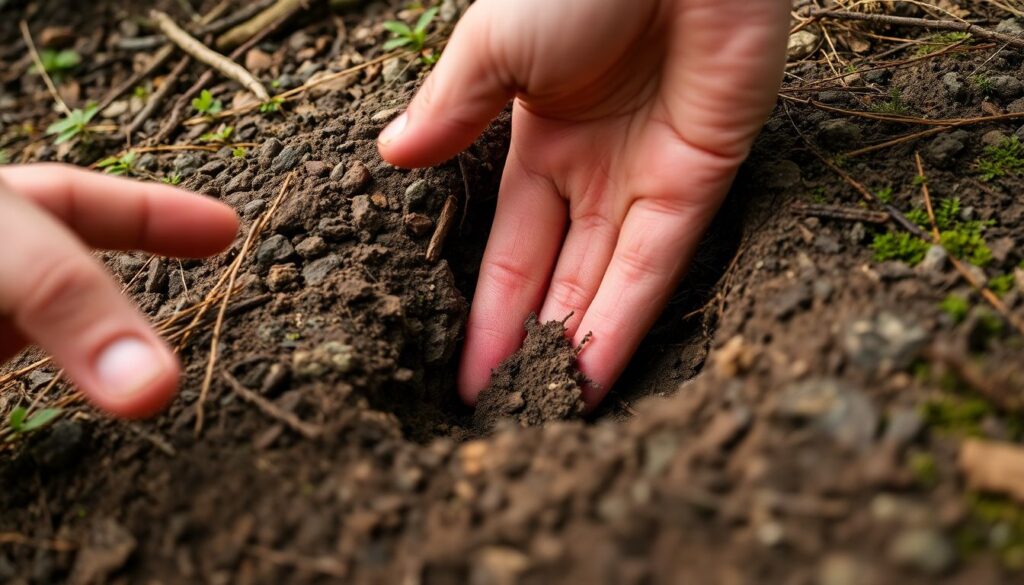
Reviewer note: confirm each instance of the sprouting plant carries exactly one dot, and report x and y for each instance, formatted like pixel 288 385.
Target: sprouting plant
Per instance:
pixel 58 63
pixel 238 152
pixel 818 195
pixel 274 105
pixel 222 134
pixel 884 194
pixel 941 41
pixel 899 246
pixel 893 105
pixel 21 422
pixel 1001 284
pixel 947 213
pixel 172 179
pixel 206 104
pixel 430 57
pixel 1001 159
pixel 413 38
pixel 981 83
pixel 965 241
pixel 956 307
pixel 919 217
pixel 119 165
pixel 141 92
pixel 73 125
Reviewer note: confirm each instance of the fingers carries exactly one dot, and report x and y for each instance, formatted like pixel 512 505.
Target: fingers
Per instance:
pixel 528 228
pixel 55 293
pixel 121 214
pixel 466 90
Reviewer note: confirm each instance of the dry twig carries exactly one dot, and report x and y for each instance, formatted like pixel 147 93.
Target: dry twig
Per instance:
pixel 444 225
pixel 38 62
pixel 928 23
pixel 307 430
pixel 248 29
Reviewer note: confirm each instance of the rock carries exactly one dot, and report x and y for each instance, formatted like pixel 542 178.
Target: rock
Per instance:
pixel 934 261
pixel 418 224
pixel 1015 107
pixel 338 172
pixel 955 87
pixel 878 76
pixel 156 278
pixel 395 70
pixel 498 565
pixel 833 406
pixel 452 9
pixel 944 149
pixel 289 158
pixel 801 43
pixel 782 175
pixel 1001 248
pixel 356 178
pixel 307 70
pixel 838 134
pixel 240 182
pixel 257 60
pixel 329 356
pixel 883 344
pixel 253 208
pixel 1011 26
pixel 386 115
pixel 791 300
pixel 108 547
pixel 274 250
pixel 364 215
pixel 270 149
pixel 317 271
pixel 923 549
pixel 186 164
pixel 416 195
pixel 335 229
pixel 316 168
pixel 61 446
pixel 1006 87
pixel 282 277
pixel 993 138
pixel 212 168
pixel 311 247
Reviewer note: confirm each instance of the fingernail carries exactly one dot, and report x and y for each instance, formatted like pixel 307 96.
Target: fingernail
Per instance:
pixel 128 366
pixel 394 129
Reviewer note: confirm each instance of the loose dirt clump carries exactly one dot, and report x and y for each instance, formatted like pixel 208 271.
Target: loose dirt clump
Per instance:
pixel 537 384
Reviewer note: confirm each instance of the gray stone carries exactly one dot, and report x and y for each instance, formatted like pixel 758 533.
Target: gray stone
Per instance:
pixel 945 148
pixel 878 76
pixel 338 172
pixel 307 70
pixel 416 195
pixel 833 406
pixel 186 164
pixel 156 278
pixel 240 182
pixel 883 344
pixel 395 70
pixel 364 215
pixel 274 250
pixel 801 43
pixel 253 208
pixel 317 271
pixel 1006 87
pixel 271 148
pixel 934 260
pixel 791 300
pixel 1015 107
pixel 212 168
pixel 356 178
pixel 955 87
pixel 311 247
pixel 838 134
pixel 289 158
pixel 1010 26
pixel 993 138
pixel 923 549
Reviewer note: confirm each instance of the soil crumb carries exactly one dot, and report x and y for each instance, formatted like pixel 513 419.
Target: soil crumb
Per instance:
pixel 537 384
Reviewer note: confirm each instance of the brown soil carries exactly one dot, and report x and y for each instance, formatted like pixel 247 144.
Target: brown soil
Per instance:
pixel 818 444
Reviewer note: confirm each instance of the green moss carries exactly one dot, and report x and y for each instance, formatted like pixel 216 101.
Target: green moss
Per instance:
pixel 920 217
pixel 940 41
pixel 982 83
pixel 1001 284
pixel 965 242
pixel 1000 160
pixel 899 246
pixel 947 213
pixel 956 415
pixel 996 525
pixel 894 105
pixel 956 307
pixel 884 194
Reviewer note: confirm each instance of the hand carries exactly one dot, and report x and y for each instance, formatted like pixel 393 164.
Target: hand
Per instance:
pixel 630 121
pixel 55 294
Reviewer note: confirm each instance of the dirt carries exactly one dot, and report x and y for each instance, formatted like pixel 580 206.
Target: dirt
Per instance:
pixel 795 416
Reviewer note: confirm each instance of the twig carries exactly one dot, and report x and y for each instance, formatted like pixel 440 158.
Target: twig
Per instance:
pixel 232 274
pixel 154 101
pixel 307 430
pixel 964 27
pixel 158 59
pixel 444 225
pixel 21 539
pixel 203 54
pixel 242 32
pixel 27 34
pixel 841 213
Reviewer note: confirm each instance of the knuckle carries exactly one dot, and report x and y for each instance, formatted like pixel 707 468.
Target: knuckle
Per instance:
pixel 56 289
pixel 637 266
pixel 508 276
pixel 569 293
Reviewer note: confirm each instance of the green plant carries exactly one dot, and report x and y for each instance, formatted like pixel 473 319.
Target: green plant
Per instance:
pixel 981 83
pixel 947 214
pixel 222 134
pixel 172 179
pixel 238 152
pixel 119 165
pixel 206 104
pixel 1001 284
pixel 1001 159
pixel 73 125
pixel 21 422
pixel 965 242
pixel 893 105
pixel 58 63
pixel 415 37
pixel 884 194
pixel 141 92
pixel 274 105
pixel 940 41
pixel 956 307
pixel 994 524
pixel 919 217
pixel 899 246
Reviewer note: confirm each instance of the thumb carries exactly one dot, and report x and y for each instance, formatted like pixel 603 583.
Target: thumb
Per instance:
pixel 458 100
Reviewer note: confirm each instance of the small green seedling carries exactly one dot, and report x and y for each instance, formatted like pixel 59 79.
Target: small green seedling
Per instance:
pixel 956 307
pixel 21 422
pixel 58 63
pixel 172 179
pixel 123 165
pixel 982 83
pixel 222 134
pixel 239 152
pixel 1001 285
pixel 1001 159
pixel 141 92
pixel 206 104
pixel 414 38
pixel 899 246
pixel 965 241
pixel 884 194
pixel 74 125
pixel 894 105
pixel 947 214
pixel 272 106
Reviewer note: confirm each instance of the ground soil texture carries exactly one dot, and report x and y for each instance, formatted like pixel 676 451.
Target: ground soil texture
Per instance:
pixel 817 445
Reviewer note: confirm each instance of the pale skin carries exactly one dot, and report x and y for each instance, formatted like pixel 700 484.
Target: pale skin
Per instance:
pixel 630 120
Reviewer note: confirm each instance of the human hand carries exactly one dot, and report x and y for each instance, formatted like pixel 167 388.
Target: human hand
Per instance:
pixel 55 294
pixel 630 121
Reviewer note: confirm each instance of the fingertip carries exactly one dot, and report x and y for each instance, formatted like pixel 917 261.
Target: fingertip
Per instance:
pixel 133 377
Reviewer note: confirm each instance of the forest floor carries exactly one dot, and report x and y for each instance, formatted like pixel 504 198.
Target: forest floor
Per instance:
pixel 831 398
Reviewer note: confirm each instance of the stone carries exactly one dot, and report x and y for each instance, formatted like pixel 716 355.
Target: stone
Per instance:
pixel 883 344
pixel 311 247
pixel 289 158
pixel 923 549
pixel 212 168
pixel 993 138
pixel 338 172
pixel 186 164
pixel 416 195
pixel 329 356
pixel 316 168
pixel 935 261
pixel 843 569
pixel 257 60
pixel 364 215
pixel 274 250
pixel 955 87
pixel 1015 107
pixel 156 278
pixel 356 178
pixel 878 76
pixel 253 208
pixel 945 148
pixel 317 271
pixel 335 229
pixel 833 406
pixel 1006 87
pixel 240 182
pixel 903 426
pixel 282 276
pixel 791 300
pixel 801 43
pixel 838 134
pixel 395 70
pixel 1011 26
pixel 270 149
pixel 418 224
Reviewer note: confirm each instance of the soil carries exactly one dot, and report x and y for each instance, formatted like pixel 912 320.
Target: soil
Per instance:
pixel 794 417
